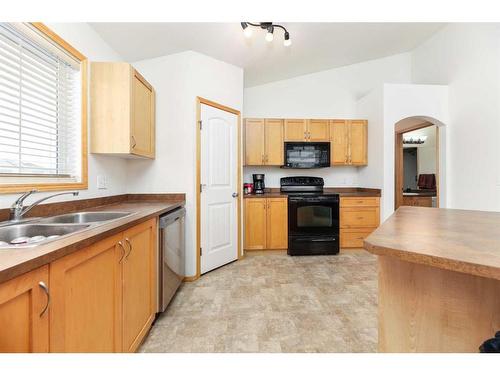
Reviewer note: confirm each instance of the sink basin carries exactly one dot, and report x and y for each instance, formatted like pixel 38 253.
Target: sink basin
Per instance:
pixel 85 217
pixel 21 235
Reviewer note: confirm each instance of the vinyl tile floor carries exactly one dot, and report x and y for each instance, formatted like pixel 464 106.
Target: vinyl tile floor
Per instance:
pixel 275 303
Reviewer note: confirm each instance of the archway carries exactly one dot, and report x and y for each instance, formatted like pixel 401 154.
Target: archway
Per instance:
pixel 417 170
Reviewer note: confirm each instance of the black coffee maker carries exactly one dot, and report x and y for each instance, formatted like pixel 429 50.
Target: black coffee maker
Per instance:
pixel 258 183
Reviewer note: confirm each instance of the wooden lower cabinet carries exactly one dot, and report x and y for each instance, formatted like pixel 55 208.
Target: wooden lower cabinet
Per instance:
pixel 277 223
pixel 24 319
pixel 359 216
pixel 139 283
pixel 102 298
pixel 266 223
pixel 86 291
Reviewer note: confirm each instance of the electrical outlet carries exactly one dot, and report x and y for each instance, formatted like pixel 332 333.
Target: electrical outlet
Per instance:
pixel 102 182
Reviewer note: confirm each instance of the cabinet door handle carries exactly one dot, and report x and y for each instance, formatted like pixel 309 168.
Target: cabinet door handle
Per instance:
pixel 44 287
pixel 123 251
pixel 134 142
pixel 130 246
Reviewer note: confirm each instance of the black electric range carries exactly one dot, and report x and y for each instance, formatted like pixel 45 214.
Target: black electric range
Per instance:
pixel 313 217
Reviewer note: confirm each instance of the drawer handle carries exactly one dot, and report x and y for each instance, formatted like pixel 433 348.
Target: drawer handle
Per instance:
pixel 360 218
pixel 44 287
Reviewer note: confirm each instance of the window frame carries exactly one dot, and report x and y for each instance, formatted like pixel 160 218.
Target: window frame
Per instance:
pixel 58 183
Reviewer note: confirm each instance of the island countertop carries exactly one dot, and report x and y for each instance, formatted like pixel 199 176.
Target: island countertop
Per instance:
pixel 457 240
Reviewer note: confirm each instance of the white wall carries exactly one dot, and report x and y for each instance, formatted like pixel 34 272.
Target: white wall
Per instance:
pixel 371 108
pixel 178 79
pixel 87 41
pixel 327 94
pixel 430 102
pixel 466 57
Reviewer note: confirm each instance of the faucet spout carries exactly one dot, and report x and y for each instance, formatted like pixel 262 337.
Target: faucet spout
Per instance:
pixel 18 210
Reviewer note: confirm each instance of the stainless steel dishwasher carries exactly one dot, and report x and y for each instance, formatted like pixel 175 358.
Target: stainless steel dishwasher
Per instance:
pixel 172 257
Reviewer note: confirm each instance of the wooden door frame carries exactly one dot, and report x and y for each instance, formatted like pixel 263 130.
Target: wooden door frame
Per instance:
pixel 199 102
pixel 398 161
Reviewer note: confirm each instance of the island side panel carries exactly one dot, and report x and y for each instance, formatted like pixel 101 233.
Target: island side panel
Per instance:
pixel 427 309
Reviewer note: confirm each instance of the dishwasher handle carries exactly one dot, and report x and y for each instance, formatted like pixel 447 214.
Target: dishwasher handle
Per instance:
pixel 171 217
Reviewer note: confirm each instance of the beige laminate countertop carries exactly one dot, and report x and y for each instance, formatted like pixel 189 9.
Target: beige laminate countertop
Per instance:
pixel 456 240
pixel 14 262
pixel 341 191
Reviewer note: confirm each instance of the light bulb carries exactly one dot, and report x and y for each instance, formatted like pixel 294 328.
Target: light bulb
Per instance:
pixel 247 32
pixel 269 36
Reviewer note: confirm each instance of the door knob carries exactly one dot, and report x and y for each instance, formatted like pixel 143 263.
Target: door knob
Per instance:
pixel 235 195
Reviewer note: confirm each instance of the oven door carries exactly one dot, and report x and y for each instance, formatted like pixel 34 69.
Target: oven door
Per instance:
pixel 313 215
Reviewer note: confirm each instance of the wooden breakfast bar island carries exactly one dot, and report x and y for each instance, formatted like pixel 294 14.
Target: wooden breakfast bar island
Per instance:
pixel 439 279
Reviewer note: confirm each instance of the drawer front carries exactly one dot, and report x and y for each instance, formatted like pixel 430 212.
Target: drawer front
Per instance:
pixel 350 238
pixel 359 201
pixel 354 217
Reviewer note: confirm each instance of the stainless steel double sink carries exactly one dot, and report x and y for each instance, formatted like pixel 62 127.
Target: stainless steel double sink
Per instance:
pixel 42 230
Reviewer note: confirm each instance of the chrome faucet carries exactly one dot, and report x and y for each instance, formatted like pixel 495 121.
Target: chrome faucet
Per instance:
pixel 18 210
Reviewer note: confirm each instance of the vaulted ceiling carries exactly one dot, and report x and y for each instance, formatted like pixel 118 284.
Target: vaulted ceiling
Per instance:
pixel 315 46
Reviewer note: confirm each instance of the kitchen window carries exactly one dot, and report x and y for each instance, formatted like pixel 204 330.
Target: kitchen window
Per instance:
pixel 43 141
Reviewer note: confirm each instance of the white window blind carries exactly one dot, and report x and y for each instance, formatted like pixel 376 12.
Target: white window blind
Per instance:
pixel 40 106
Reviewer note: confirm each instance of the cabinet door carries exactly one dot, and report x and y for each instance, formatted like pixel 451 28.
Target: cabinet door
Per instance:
pixel 274 142
pixel 339 142
pixel 85 312
pixel 358 136
pixel 22 300
pixel 255 223
pixel 318 130
pixel 143 101
pixel 139 283
pixel 254 141
pixel 277 223
pixel 295 130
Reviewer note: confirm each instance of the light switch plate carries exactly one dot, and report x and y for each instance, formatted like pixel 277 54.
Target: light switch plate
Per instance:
pixel 102 182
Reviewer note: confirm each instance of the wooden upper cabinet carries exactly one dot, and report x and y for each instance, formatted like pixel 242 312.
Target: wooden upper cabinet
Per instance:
pixel 318 130
pixel 143 125
pixel 122 111
pixel 349 142
pixel 264 142
pixel 295 130
pixel 339 142
pixel 254 141
pixel 358 137
pixel 24 313
pixel 139 283
pixel 274 145
pixel 85 315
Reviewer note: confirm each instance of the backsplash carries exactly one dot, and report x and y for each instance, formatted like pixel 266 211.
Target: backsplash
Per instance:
pixel 334 176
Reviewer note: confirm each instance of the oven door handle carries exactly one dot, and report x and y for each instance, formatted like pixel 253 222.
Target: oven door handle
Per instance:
pixel 332 239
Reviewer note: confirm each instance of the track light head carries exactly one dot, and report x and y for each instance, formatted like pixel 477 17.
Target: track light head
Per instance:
pixel 287 41
pixel 269 34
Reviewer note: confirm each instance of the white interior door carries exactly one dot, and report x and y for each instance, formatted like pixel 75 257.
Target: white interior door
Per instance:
pixel 219 147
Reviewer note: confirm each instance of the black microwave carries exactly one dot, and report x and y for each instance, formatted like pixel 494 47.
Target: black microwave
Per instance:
pixel 307 155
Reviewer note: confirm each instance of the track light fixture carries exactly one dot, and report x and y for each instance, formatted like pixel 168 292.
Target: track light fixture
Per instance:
pixel 269 27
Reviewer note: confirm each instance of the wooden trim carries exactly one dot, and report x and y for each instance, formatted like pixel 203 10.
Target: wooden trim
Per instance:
pixel 199 102
pixel 58 40
pixel 398 161
pixel 83 184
